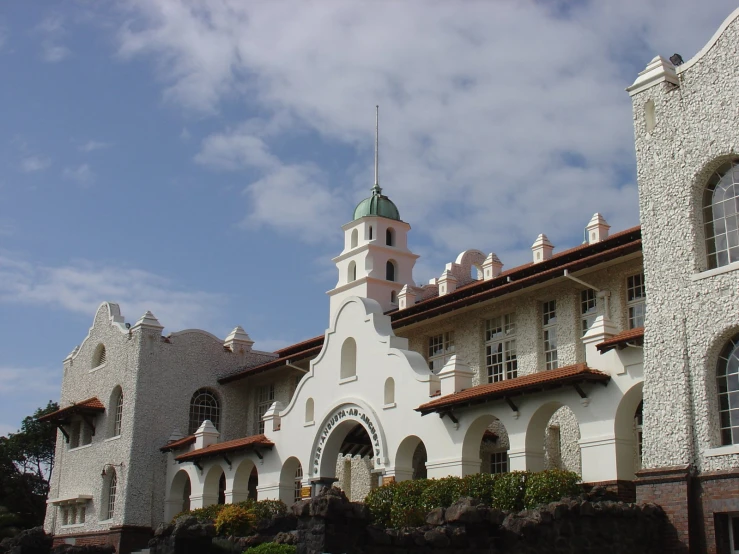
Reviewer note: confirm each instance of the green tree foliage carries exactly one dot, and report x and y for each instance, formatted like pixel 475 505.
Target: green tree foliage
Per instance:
pixel 26 461
pixel 271 548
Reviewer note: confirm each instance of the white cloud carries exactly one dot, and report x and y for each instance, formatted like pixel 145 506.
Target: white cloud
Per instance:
pixel 52 31
pixel 82 175
pixel 31 164
pixel 82 286
pixel 92 145
pixel 498 120
pixel 44 383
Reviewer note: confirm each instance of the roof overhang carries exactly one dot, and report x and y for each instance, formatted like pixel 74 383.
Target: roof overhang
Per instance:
pixel 568 376
pixel 254 443
pixel 631 337
pixel 77 499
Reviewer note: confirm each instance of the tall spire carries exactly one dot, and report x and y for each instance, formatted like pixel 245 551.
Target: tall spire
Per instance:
pixel 376 188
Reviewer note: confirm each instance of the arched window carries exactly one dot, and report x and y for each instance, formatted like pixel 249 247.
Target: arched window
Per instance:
pixel 116 408
pixel 355 238
pixel 351 272
pixel 390 237
pixel 393 297
pixel 369 235
pixel 348 358
pixel 721 215
pixel 727 375
pixel 309 410
pixel 389 391
pixel 100 356
pixel 111 492
pixel 204 405
pixel 390 271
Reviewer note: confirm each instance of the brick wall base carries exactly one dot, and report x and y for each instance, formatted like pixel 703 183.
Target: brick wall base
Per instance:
pixel 670 488
pixel 124 538
pixel 624 490
pixel 715 495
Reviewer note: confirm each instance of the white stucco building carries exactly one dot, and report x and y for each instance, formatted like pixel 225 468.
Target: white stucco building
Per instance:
pixel 485 368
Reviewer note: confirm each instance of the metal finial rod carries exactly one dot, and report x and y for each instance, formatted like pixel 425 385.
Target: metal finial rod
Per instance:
pixel 377 147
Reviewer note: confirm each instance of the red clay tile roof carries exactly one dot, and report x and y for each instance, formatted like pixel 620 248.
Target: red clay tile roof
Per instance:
pixel 180 443
pixel 620 340
pixel 225 447
pixel 542 380
pixel 89 406
pixel 574 259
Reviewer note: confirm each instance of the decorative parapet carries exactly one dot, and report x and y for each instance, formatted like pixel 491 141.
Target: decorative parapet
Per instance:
pixel 597 228
pixel 542 248
pixel 659 70
pixel 238 340
pixel 148 321
pixel 455 376
pixel 491 267
pixel 447 283
pixel 206 435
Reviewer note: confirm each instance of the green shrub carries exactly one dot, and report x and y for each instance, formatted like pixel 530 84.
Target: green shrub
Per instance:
pixel 407 509
pixel 550 486
pixel 441 493
pixel 234 520
pixel 509 491
pixel 480 486
pixel 271 548
pixel 209 513
pixel 266 509
pixel 379 502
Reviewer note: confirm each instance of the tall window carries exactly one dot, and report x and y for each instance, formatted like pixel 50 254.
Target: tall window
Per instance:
pixel 727 375
pixel 588 309
pixel 112 491
pixel 390 271
pixel 298 484
pixel 500 348
pixel 441 348
pixel 720 215
pixel 265 398
pixel 118 415
pixel 348 359
pixel 635 300
pixel 100 356
pixel 351 272
pixel 499 462
pixel 204 405
pixel 390 237
pixel 549 327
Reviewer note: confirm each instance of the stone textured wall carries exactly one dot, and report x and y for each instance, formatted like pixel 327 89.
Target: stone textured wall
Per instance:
pixel 687 320
pixel 354 476
pixel 143 364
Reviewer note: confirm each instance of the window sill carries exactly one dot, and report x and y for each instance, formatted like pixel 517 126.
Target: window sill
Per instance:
pixel 347 380
pixel 309 424
pixel 105 521
pixel 717 271
pixel 76 448
pixel 722 451
pixel 73 526
pixel 94 369
pixel 112 438
pixel 389 406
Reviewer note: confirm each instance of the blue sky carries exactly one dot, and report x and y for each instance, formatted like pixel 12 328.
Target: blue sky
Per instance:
pixel 197 158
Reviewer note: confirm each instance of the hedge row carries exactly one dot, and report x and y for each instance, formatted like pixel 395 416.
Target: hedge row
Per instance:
pixel 406 504
pixel 237 519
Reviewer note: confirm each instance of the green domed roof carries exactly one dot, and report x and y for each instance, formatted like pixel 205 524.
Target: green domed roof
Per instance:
pixel 378 205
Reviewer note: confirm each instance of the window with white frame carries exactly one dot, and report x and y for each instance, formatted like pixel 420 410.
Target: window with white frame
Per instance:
pixel 721 215
pixel 588 309
pixel 204 405
pixel 117 424
pixel 65 516
pixel 727 384
pixel 441 348
pixel 635 300
pixel 500 348
pixel 549 328
pixel 298 483
pixel 499 462
pixel 112 491
pixel 265 398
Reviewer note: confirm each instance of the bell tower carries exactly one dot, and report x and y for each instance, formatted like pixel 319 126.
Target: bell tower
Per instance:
pixel 375 262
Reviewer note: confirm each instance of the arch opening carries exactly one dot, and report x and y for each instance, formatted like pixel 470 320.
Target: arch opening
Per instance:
pixel 354 464
pixel 389 392
pixel 487 440
pixel 214 489
pixel 291 477
pixel 410 459
pixel 245 482
pixel 390 271
pixel 351 272
pixel 354 239
pixel 178 499
pixel 552 439
pixel 628 432
pixel 115 407
pixel 309 410
pixel 390 236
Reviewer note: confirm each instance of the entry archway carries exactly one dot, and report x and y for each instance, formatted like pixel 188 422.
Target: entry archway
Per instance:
pixel 178 498
pixel 292 471
pixel 486 442
pixel 241 489
pixel 546 445
pixel 213 485
pixel 628 457
pixel 410 459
